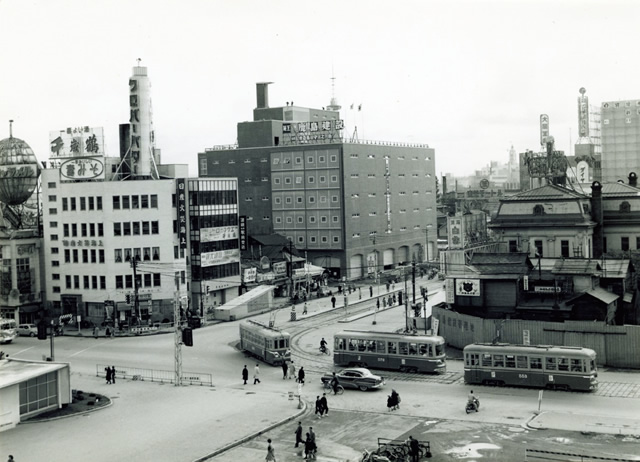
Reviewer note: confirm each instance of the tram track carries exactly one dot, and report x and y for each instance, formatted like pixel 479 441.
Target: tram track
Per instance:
pixel 317 363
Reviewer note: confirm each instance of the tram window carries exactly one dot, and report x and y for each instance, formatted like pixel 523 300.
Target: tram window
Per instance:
pixel 371 345
pixel 413 349
pixel 380 346
pixel 423 349
pixel 592 363
pixel 511 361
pixel 404 348
pixel 576 365
pixel 535 363
pixel 521 362
pixel 473 359
pixel 486 360
pixel 498 360
pixel 392 348
pixel 339 344
pixel 362 345
pixel 550 364
pixel 439 349
pixel 352 347
pixel 563 364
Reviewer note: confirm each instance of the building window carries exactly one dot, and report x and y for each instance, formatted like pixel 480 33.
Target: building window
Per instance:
pixel 336 239
pixel 83 203
pixel 513 246
pixel 324 239
pixel 313 239
pixel 538 246
pixel 564 249
pixel 278 200
pixel 300 219
pixel 52 198
pixel 276 181
pixel 299 200
pixel 126 228
pixel 65 230
pixel 287 180
pixel 624 243
pixel 117 229
pixel 334 219
pixel 65 204
pixel 289 220
pixel 625 207
pixel 310 179
pixel 154 201
pixel 538 209
pixel 51 185
pixel 116 202
pixel 39 393
pixel 278 220
pixel 312 219
pixel 54 237
pixel 312 199
pixel 155 227
pixel 334 178
pixel 334 198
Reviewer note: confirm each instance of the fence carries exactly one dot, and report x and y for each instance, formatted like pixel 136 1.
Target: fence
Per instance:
pixel 552 456
pixel 153 375
pixel 614 345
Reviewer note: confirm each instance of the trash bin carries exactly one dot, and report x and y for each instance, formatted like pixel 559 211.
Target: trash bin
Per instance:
pixel 293 314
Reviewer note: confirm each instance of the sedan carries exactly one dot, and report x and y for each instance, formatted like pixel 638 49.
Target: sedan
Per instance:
pixel 356 377
pixel 29 330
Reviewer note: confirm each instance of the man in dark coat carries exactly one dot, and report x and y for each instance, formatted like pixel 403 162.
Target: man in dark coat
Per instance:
pixel 284 369
pixel 301 375
pixel 299 434
pixel 245 374
pixel 333 302
pixel 324 405
pixel 113 374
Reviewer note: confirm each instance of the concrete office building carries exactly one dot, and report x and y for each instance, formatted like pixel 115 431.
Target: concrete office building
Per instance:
pixel 620 131
pixel 355 207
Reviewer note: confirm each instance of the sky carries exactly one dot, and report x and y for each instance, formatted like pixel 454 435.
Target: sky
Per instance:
pixel 468 78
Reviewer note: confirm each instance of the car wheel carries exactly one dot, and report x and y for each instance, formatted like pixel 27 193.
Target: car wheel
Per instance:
pixel 363 388
pixel 32 334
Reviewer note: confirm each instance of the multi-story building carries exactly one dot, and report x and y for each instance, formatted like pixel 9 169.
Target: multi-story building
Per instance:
pixel 355 207
pixel 620 131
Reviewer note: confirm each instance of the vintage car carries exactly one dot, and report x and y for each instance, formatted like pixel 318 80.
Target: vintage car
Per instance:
pixel 356 377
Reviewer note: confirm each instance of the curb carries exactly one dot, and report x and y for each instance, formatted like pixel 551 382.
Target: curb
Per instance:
pixel 253 435
pixel 88 411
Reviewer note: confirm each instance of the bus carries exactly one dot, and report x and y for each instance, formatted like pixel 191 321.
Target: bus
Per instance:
pixel 539 366
pixel 8 330
pixel 390 350
pixel 266 343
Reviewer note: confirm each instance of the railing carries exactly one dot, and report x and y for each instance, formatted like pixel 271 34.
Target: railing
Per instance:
pixel 154 375
pixel 552 456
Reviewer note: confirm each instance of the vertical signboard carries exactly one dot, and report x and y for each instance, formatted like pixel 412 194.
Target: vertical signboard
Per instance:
pixel 544 128
pixel 243 233
pixel 583 113
pixel 182 212
pixel 456 236
pixel 526 337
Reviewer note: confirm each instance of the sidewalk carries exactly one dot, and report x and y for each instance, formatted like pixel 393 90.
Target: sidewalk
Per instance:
pixel 585 423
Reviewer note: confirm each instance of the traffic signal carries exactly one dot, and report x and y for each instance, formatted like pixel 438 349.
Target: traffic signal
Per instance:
pixel 187 336
pixel 42 331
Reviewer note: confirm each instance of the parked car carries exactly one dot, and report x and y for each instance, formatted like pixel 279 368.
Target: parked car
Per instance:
pixel 356 377
pixel 28 330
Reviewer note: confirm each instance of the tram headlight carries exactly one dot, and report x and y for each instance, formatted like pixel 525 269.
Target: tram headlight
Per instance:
pixel 276 354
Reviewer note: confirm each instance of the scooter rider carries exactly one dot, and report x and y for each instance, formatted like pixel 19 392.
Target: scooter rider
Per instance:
pixel 323 345
pixel 472 400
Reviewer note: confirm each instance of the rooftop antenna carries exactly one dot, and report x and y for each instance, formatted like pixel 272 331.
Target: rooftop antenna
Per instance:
pixel 333 106
pixel 138 61
pixel 11 128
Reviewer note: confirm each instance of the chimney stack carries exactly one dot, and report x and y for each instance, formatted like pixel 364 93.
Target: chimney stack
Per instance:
pixel 633 179
pixel 262 93
pixel 596 214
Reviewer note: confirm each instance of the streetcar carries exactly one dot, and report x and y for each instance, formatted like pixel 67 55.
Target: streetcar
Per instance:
pixel 390 350
pixel 266 343
pixel 538 366
pixel 8 330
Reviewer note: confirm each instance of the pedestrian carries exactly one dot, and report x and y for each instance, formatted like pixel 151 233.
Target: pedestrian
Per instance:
pixel 308 450
pixel 312 438
pixel 304 310
pixel 299 434
pixel 245 374
pixel 107 371
pixel 113 375
pixel 378 304
pixel 390 301
pixel 10 459
pixel 333 301
pixel 318 407
pixel 270 452
pixel 414 449
pixel 113 332
pixel 325 405
pixel 393 286
pixel 95 332
pixel 394 299
pixel 292 371
pixel 384 302
pixel 359 293
pixel 387 286
pixel 284 370
pixel 256 374
pixel 301 375
pixel 395 399
pixel 107 333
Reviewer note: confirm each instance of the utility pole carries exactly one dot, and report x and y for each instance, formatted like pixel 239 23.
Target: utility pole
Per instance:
pixel 413 280
pixel 406 301
pixel 136 304
pixel 426 248
pixel 290 269
pixel 177 324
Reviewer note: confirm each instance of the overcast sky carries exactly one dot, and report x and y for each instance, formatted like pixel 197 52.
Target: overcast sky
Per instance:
pixel 469 78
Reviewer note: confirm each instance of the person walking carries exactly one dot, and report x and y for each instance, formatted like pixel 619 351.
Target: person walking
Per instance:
pixel 312 439
pixel 384 302
pixel 359 293
pixel 113 375
pixel 256 374
pixel 95 332
pixel 292 371
pixel 333 301
pixel 370 291
pixel 299 435
pixel 378 303
pixel 301 375
pixel 304 310
pixel 245 374
pixel 324 405
pixel 107 332
pixel 308 449
pixel 284 370
pixel 107 371
pixel 271 455
pixel 414 449
pixel 318 407
pixel 10 459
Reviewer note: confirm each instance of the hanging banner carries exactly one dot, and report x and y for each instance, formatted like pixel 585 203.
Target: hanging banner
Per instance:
pixel 182 212
pixel 220 233
pixel 221 257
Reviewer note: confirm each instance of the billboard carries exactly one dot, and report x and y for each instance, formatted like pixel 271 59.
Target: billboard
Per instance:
pixel 182 212
pixel 220 233
pixel 221 257
pixel 583 114
pixel 468 287
pixel 82 168
pixel 77 142
pixel 324 131
pixel 456 236
pixel 544 128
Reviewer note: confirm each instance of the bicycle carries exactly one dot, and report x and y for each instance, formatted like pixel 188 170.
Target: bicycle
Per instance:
pixel 368 456
pixel 324 350
pixel 339 388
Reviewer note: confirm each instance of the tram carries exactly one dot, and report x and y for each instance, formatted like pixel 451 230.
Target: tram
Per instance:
pixel 538 366
pixel 266 343
pixel 390 350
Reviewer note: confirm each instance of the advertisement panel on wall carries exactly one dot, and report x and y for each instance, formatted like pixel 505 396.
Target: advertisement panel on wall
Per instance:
pixel 220 233
pixel 82 168
pixel 583 113
pixel 327 131
pixel 249 274
pixel 77 142
pixel 243 232
pixel 221 257
pixel 456 236
pixel 468 287
pixel 544 128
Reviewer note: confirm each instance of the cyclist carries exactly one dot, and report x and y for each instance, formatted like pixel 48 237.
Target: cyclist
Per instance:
pixel 334 383
pixel 323 345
